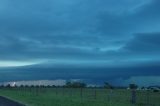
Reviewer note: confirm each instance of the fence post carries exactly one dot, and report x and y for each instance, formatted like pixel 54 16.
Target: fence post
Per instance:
pixel 70 92
pixel 95 94
pixel 133 96
pixel 81 94
pixel 56 91
pixel 148 97
pixel 63 90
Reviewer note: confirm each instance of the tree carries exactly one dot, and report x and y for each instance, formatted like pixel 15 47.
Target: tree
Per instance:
pixel 8 85
pixel 78 85
pixel 21 86
pixel 68 84
pixel 48 86
pixel 53 86
pixel 32 86
pixel 75 84
pixel 1 86
pixel 133 86
pixel 108 86
pixel 37 86
pixel 26 86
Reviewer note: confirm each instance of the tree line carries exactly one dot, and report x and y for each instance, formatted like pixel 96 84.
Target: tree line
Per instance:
pixel 70 84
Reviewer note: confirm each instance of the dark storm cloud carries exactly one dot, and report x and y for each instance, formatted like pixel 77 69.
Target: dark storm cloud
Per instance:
pixel 95 40
pixel 144 43
pixel 79 29
pixel 149 12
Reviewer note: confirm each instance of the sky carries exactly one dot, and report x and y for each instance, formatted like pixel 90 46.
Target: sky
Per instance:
pixel 93 35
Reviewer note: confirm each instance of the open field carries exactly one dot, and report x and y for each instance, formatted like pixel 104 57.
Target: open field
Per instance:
pixel 79 97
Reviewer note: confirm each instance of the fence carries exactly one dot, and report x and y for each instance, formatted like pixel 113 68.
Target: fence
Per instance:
pixel 96 96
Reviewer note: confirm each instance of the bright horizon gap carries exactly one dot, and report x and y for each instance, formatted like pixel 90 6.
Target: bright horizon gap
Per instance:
pixel 12 63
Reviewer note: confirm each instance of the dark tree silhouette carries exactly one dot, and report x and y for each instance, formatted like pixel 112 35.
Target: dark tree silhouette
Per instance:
pixel 133 86
pixel 108 86
pixel 75 85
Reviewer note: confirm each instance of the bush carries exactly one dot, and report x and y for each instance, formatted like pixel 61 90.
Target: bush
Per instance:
pixel 75 85
pixel 133 86
pixel 155 90
pixel 108 86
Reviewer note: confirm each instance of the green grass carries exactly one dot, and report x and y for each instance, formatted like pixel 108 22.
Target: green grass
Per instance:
pixel 74 97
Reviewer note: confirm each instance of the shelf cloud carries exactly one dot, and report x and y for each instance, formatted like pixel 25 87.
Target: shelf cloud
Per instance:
pixel 84 33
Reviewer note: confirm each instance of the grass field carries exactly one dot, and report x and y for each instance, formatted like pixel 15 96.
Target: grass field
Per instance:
pixel 79 97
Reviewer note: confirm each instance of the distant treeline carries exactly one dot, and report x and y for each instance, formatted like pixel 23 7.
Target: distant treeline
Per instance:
pixel 70 84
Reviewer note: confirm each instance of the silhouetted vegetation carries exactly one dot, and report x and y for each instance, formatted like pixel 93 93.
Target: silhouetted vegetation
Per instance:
pixel 108 86
pixel 75 85
pixel 133 86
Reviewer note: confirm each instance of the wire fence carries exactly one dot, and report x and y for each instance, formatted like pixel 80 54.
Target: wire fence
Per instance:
pixel 105 97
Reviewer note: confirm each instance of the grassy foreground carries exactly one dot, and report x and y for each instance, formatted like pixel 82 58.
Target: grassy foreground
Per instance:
pixel 79 97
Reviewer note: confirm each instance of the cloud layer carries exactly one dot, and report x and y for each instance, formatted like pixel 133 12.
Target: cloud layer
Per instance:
pixel 84 33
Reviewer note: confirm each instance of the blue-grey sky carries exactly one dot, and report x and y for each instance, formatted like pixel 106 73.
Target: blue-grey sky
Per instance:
pixel 80 33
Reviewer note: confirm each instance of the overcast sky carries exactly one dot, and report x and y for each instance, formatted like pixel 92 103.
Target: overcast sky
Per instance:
pixel 111 31
pixel 85 33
